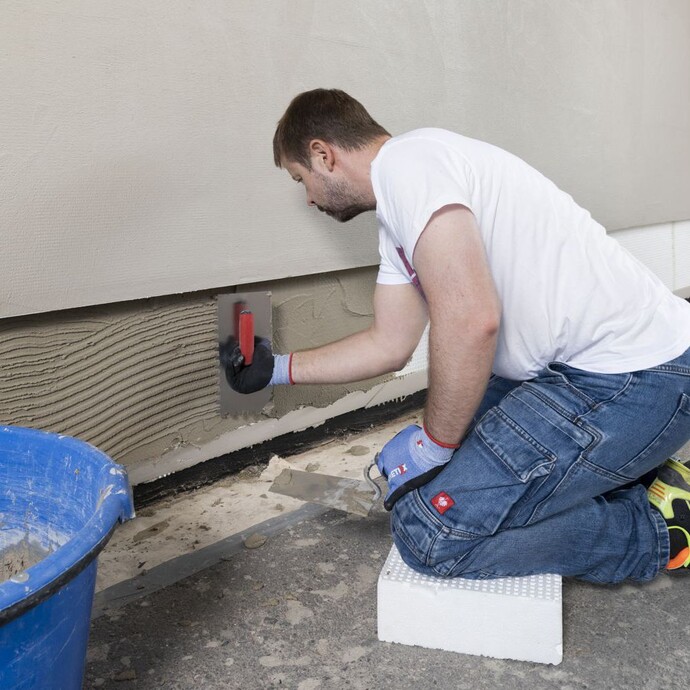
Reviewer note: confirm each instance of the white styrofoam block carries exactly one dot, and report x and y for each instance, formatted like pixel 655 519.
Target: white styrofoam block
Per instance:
pixel 508 618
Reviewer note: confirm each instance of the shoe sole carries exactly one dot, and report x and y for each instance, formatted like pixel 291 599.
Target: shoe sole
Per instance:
pixel 672 484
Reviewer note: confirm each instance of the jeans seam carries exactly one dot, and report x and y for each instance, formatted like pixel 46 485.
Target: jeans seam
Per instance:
pixel 669 424
pixel 553 405
pixel 422 555
pixel 402 535
pixel 573 389
pixel 598 405
pixel 455 562
pixel 664 541
pixel 603 472
pixel 672 369
pixel 528 438
pixel 573 419
pixel 562 430
pixel 426 513
pixel 441 530
pixel 565 480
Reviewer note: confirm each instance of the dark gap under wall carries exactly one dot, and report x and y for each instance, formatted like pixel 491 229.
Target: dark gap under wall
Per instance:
pixel 285 445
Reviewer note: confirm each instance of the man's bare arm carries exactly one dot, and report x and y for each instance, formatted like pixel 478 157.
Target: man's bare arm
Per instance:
pixel 399 320
pixel 464 311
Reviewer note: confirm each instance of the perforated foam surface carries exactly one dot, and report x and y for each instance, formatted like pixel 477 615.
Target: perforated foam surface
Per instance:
pixel 546 586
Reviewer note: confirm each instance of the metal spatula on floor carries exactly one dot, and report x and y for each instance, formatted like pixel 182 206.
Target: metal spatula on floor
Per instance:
pixel 351 495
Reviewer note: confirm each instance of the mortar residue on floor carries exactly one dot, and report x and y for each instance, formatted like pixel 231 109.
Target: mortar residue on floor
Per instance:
pixel 191 521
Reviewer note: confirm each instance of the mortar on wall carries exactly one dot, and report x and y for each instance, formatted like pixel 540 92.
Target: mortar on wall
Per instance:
pixel 140 379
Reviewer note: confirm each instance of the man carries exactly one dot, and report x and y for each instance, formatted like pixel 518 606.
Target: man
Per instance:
pixel 559 366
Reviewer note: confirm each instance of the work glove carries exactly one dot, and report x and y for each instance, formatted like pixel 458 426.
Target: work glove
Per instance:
pixel 257 375
pixel 409 460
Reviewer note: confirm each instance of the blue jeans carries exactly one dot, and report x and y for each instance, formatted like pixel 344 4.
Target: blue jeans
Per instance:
pixel 546 480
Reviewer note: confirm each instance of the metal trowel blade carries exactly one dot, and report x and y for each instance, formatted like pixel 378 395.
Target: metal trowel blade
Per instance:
pixel 351 495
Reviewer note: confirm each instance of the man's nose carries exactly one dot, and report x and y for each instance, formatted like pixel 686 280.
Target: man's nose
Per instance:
pixel 310 201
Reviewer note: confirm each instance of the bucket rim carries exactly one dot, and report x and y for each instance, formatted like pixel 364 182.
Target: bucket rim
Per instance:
pixel 115 504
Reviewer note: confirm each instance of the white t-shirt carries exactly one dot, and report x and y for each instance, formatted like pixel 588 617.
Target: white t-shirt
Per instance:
pixel 569 293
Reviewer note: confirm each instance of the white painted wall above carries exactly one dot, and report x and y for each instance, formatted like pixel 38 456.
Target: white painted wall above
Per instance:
pixel 135 138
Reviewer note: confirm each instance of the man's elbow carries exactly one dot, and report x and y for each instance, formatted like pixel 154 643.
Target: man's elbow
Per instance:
pixel 491 324
pixel 394 350
pixel 394 360
pixel 399 363
pixel 484 326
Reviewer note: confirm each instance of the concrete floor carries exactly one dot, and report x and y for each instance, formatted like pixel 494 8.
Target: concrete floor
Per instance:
pixel 298 611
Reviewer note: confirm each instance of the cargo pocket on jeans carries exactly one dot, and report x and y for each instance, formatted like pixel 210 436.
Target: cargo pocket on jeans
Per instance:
pixel 522 454
pixel 497 470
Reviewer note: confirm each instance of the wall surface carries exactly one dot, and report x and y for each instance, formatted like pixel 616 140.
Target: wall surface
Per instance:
pixel 140 379
pixel 135 138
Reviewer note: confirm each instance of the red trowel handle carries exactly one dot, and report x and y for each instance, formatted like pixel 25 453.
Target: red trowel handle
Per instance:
pixel 245 329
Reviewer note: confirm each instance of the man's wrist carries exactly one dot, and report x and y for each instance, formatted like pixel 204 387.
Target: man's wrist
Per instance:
pixel 427 452
pixel 282 370
pixel 443 444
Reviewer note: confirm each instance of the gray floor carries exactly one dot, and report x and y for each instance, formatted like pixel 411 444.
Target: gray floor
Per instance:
pixel 300 612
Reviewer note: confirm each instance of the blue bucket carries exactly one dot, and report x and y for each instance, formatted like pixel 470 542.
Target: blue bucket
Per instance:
pixel 60 501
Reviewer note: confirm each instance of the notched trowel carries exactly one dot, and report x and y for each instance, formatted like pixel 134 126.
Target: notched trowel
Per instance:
pixel 351 495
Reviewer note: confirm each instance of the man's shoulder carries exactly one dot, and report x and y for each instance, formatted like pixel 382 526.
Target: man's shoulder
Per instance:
pixel 413 147
pixel 425 136
pixel 430 142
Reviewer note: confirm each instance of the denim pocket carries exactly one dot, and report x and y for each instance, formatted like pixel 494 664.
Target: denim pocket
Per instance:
pixel 497 469
pixel 521 453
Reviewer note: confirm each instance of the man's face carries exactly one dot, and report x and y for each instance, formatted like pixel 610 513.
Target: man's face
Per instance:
pixel 332 194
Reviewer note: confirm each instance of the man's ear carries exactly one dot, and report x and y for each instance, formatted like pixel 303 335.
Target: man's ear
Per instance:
pixel 322 154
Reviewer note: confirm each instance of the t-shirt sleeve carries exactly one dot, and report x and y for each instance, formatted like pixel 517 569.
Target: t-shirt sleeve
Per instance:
pixel 416 178
pixel 389 270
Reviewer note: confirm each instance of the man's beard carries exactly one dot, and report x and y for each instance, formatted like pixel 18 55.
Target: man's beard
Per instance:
pixel 341 203
pixel 344 214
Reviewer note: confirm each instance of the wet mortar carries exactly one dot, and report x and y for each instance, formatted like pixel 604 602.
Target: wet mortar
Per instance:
pixel 19 557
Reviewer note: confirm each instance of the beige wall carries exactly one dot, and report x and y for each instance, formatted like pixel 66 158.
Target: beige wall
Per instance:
pixel 135 137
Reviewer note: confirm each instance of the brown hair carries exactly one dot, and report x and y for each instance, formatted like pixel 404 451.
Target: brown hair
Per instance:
pixel 328 114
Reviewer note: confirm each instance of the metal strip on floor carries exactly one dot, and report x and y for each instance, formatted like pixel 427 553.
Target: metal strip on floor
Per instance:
pixel 179 568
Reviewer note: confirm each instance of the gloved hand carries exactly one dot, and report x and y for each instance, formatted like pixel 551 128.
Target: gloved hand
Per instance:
pixel 409 460
pixel 252 378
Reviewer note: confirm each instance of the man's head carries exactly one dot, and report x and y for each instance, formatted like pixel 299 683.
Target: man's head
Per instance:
pixel 327 140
